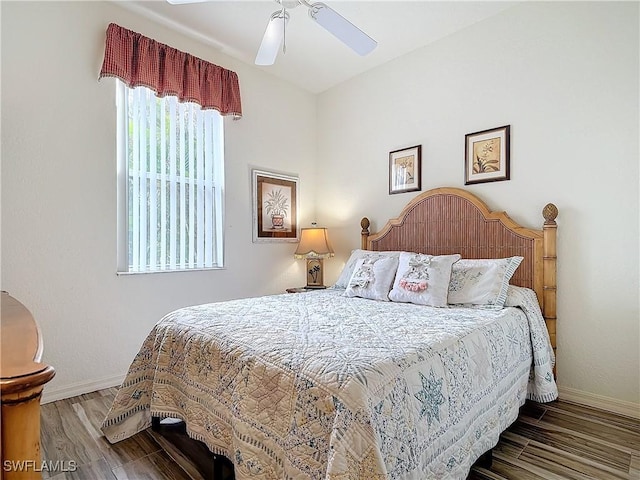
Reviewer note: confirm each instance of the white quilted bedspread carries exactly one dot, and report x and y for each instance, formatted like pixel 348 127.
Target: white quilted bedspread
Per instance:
pixel 320 386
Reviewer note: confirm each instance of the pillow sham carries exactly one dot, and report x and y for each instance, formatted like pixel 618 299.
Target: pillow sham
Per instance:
pixel 357 254
pixel 423 279
pixel 372 278
pixel 482 282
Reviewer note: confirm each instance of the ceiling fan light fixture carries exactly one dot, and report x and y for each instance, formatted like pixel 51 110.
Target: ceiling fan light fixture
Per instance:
pixel 342 29
pixel 272 39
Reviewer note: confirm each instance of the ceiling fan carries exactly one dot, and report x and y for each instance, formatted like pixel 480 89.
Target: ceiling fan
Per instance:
pixel 325 16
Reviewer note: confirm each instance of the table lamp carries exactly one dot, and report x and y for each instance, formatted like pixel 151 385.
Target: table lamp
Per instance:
pixel 314 246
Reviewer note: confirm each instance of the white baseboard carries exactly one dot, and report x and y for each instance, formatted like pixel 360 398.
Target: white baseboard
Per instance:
pixel 622 407
pixel 75 389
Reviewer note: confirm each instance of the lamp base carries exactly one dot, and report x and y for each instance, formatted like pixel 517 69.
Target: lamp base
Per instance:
pixel 315 272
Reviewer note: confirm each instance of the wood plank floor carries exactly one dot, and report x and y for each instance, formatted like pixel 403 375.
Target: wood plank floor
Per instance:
pixel 559 440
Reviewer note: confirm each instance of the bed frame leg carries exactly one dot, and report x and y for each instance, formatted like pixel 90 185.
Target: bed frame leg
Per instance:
pixel 218 471
pixel 177 444
pixel 485 460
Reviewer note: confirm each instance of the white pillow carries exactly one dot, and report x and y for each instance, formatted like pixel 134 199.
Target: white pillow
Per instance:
pixel 423 279
pixel 482 282
pixel 372 278
pixel 347 270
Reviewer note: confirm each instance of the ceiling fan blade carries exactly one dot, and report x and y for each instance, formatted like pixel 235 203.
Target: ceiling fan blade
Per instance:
pixel 272 39
pixel 182 2
pixel 342 29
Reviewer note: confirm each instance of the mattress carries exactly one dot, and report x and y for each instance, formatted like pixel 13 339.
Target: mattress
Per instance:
pixel 320 386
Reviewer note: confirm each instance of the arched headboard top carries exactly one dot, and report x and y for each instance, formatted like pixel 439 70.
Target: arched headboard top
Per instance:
pixel 445 221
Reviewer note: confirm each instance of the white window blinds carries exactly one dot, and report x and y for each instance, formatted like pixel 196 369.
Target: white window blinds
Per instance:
pixel 173 171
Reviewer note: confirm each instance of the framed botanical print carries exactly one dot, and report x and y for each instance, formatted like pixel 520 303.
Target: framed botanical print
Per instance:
pixel 486 156
pixel 404 170
pixel 275 206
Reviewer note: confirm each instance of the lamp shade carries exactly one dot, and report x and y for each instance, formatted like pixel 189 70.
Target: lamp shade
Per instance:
pixel 314 243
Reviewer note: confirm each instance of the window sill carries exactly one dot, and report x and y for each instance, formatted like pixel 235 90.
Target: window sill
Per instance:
pixel 184 270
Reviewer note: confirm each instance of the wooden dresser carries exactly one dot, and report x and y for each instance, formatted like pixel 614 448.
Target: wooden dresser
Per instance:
pixel 23 377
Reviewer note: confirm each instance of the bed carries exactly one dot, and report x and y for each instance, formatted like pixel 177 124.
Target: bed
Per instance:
pixel 334 385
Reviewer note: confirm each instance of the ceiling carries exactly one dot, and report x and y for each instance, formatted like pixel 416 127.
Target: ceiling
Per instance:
pixel 314 59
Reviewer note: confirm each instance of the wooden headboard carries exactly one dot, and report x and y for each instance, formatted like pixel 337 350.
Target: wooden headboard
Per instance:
pixel 445 221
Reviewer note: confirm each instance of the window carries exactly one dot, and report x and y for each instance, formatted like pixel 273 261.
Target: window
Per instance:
pixel 170 183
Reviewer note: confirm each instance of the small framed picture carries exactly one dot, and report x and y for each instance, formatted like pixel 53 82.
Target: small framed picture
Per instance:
pixel 275 206
pixel 486 156
pixel 404 170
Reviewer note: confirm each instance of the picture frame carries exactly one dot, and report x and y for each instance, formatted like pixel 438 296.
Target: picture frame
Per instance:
pixel 275 206
pixel 487 155
pixel 405 167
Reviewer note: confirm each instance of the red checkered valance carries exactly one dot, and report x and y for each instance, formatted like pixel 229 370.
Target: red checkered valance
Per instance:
pixel 141 61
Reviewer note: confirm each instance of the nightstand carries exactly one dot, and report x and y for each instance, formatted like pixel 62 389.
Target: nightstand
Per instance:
pixel 297 290
pixel 301 289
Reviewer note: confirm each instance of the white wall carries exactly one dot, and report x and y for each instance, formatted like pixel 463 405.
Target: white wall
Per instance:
pixel 59 189
pixel 565 77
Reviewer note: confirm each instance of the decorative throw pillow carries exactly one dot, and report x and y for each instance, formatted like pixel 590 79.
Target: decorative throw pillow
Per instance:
pixel 423 279
pixel 372 278
pixel 347 270
pixel 482 282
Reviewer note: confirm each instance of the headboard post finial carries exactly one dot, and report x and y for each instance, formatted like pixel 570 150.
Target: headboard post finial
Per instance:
pixel 364 234
pixel 550 213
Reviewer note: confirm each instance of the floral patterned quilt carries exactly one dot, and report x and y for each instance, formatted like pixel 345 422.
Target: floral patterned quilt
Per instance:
pixel 320 386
